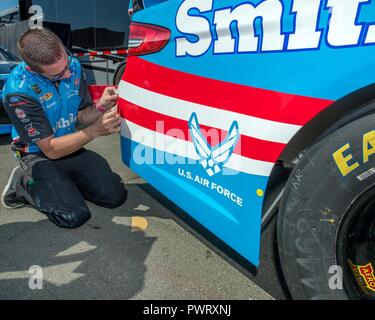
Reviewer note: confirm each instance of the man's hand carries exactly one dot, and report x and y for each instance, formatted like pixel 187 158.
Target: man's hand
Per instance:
pixel 109 98
pixel 103 124
pixel 107 124
pixel 91 114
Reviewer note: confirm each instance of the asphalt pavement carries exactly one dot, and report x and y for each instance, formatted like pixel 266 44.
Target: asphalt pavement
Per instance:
pixel 142 250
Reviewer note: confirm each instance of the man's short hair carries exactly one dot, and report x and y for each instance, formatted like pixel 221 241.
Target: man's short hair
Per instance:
pixel 40 47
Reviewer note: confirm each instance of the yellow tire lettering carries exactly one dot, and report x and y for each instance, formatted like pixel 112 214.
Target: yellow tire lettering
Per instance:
pixel 342 161
pixel 368 141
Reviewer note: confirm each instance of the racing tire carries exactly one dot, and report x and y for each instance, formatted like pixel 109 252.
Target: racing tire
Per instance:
pixel 326 219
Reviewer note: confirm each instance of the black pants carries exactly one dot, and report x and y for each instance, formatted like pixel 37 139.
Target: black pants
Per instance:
pixel 59 188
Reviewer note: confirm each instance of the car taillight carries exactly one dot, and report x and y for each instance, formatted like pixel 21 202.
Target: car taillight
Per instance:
pixel 147 38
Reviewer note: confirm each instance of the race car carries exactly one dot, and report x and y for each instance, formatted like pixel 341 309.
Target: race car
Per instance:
pixel 220 96
pixel 7 62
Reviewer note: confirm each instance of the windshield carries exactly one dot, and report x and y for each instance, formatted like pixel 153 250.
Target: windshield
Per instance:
pixel 5 56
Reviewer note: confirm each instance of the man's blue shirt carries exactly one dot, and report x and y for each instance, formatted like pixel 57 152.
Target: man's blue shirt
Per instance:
pixel 39 108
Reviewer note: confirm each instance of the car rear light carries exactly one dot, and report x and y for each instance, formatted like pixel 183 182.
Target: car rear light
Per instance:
pixel 147 38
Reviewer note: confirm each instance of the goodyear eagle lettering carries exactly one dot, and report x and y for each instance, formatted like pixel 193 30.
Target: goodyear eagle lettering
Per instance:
pixel 344 159
pixel 233 29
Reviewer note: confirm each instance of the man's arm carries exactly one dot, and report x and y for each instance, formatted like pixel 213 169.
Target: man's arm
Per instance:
pixel 88 116
pixel 31 123
pixel 56 148
pixel 28 117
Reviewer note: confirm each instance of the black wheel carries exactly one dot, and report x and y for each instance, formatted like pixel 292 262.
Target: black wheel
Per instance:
pixel 326 222
pixel 119 72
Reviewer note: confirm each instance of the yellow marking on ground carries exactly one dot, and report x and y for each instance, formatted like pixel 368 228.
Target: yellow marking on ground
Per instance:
pixel 139 224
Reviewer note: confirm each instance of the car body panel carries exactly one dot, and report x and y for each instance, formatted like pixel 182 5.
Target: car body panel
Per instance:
pixel 5 129
pixel 330 76
pixel 171 103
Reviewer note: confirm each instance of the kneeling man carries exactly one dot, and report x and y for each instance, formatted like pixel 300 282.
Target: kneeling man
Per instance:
pixel 45 97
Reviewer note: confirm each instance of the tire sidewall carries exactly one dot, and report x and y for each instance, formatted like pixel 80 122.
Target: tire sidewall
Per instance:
pixel 313 207
pixel 119 72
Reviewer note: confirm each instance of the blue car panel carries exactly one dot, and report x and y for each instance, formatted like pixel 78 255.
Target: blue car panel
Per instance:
pixel 206 117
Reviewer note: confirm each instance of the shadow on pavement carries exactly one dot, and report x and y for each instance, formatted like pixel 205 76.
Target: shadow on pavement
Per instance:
pixel 269 276
pixel 103 259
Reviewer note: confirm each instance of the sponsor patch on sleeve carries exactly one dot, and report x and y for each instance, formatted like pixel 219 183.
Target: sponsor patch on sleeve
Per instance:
pixel 20 114
pixel 31 131
pixel 15 101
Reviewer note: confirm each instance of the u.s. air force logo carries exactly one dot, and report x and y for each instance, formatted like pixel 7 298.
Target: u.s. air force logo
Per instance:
pixel 213 158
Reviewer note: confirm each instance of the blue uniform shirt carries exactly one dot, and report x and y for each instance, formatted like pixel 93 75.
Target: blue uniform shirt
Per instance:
pixel 39 108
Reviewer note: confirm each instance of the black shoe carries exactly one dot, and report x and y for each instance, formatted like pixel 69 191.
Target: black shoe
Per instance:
pixel 9 197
